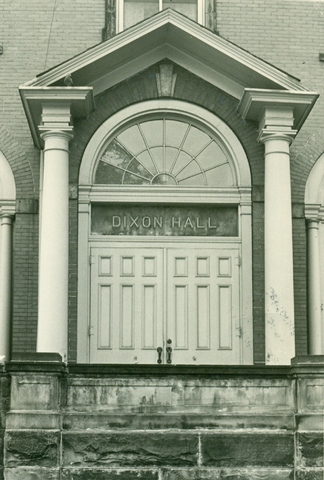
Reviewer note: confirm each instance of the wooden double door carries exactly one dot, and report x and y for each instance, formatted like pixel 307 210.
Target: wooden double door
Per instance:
pixel 158 303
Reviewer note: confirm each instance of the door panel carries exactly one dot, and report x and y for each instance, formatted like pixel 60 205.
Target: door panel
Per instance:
pixel 126 305
pixel 203 305
pixel 143 297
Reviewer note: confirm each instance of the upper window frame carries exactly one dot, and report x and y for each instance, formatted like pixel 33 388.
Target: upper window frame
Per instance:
pixel 120 13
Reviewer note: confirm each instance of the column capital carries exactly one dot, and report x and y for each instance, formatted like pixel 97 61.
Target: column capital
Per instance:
pixel 56 121
pixel 267 134
pixel 54 132
pixel 6 219
pixel 313 212
pixel 276 123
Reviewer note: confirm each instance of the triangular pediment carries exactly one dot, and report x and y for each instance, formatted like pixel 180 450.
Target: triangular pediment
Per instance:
pixel 171 35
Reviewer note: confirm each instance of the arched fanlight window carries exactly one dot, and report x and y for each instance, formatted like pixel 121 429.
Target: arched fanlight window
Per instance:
pixel 164 151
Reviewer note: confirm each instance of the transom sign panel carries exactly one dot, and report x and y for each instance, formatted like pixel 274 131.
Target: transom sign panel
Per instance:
pixel 145 298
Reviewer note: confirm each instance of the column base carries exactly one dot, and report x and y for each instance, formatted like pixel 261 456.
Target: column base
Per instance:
pixel 308 360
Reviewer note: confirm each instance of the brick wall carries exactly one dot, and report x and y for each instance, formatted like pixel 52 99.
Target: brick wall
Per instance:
pixel 37 36
pixel 289 35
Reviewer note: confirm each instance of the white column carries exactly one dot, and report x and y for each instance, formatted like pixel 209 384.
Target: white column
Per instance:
pixel 5 285
pixel 279 289
pixel 52 332
pixel 314 290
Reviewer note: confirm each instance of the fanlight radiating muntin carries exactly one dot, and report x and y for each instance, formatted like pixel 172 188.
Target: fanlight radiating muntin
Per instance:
pixel 164 151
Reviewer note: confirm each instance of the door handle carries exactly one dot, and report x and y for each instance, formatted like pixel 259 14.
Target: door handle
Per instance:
pixel 169 352
pixel 159 350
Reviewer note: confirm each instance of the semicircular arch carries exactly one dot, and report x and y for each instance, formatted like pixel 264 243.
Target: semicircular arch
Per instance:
pixel 314 192
pixel 7 185
pixel 206 120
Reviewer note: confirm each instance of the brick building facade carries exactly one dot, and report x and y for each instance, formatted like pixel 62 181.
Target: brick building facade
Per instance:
pixel 161 261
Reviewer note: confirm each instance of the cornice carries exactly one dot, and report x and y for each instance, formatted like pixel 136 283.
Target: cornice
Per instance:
pixel 255 101
pixel 79 99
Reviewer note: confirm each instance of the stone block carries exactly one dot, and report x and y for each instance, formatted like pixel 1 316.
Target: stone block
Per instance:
pixel 31 474
pixel 310 449
pixel 184 397
pixel 309 475
pixel 33 420
pixel 23 448
pixel 34 392
pixel 100 474
pixel 311 395
pixel 4 399
pixel 130 449
pixel 216 474
pixel 1 447
pixel 242 450
pixel 311 422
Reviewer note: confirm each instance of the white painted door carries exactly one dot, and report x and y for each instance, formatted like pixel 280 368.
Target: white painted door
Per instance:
pixel 203 305
pixel 126 305
pixel 186 299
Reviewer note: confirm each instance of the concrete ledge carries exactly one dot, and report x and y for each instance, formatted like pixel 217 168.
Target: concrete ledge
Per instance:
pixel 308 360
pixel 28 357
pixel 211 371
pixel 115 421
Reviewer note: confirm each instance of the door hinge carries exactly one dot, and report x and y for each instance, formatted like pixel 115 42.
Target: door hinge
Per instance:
pixel 238 261
pixel 91 259
pixel 90 331
pixel 238 331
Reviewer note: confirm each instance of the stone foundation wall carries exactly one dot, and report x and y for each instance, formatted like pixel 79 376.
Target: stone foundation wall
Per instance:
pixel 165 423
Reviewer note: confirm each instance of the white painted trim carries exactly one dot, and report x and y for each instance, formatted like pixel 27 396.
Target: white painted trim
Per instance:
pixel 79 101
pixel 83 344
pixel 147 194
pixel 255 101
pixel 239 195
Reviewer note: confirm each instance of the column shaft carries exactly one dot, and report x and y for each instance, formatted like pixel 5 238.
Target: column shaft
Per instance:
pixel 5 286
pixel 314 290
pixel 279 291
pixel 54 236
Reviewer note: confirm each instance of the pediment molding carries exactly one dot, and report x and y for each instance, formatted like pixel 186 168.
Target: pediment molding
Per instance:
pixel 166 35
pixel 172 36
